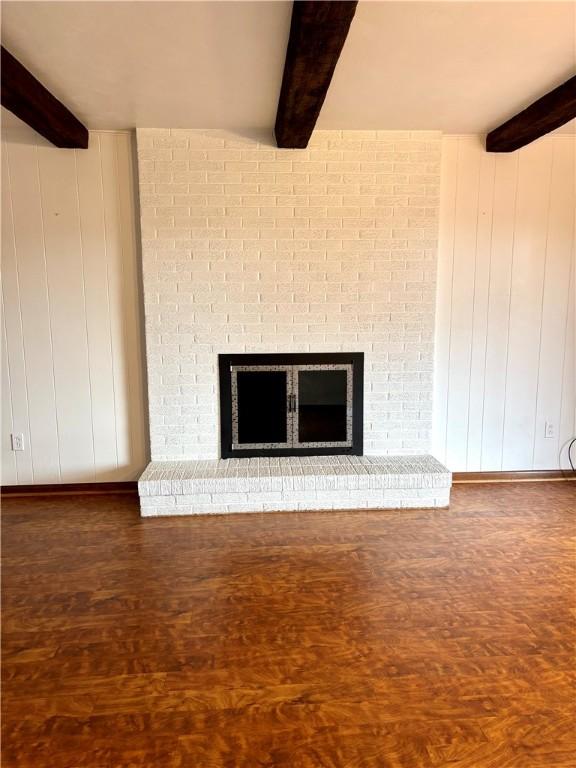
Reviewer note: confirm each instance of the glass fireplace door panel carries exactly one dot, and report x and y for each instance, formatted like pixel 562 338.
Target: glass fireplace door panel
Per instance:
pixel 323 406
pixel 260 413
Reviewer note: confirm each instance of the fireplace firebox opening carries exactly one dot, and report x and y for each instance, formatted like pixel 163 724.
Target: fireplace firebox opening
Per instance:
pixel 291 405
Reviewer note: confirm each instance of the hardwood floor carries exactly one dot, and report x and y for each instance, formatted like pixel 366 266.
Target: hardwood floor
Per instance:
pixel 291 640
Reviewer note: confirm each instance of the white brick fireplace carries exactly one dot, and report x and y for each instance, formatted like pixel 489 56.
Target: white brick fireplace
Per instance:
pixel 250 248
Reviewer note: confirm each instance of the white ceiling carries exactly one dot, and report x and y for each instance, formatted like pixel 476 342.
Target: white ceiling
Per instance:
pixel 461 67
pixel 155 64
pixel 455 66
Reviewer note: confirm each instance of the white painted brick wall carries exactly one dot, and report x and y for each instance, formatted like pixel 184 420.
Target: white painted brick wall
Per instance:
pixel 249 248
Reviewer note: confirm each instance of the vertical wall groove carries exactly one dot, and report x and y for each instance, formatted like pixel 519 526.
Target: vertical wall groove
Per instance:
pixel 542 297
pixel 9 467
pixel 24 420
pixel 45 263
pixel 481 447
pixel 451 296
pixel 77 190
pixel 109 304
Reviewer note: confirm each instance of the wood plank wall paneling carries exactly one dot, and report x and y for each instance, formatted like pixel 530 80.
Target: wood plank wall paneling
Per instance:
pixel 72 376
pixel 505 317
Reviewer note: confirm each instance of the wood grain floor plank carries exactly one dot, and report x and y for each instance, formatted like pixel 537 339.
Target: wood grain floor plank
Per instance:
pixel 365 639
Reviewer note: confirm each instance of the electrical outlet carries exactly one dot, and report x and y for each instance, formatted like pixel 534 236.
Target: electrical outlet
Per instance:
pixel 17 442
pixel 549 429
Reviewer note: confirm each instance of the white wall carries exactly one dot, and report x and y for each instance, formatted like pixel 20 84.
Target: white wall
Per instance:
pixel 72 372
pixel 505 308
pixel 250 248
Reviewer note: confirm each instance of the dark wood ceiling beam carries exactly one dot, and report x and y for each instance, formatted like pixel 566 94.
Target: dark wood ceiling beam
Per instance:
pixel 29 100
pixel 317 34
pixel 545 115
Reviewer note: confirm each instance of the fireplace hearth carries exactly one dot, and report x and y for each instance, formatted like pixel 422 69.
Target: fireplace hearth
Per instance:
pixel 292 404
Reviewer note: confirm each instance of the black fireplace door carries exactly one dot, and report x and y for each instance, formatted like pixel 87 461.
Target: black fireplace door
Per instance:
pixel 323 404
pixel 289 405
pixel 261 414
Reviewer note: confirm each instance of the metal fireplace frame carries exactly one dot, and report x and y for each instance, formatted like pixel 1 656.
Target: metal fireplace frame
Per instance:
pixel 353 363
